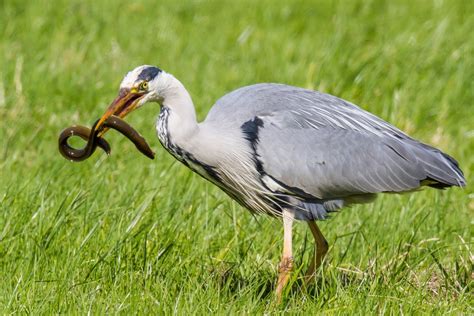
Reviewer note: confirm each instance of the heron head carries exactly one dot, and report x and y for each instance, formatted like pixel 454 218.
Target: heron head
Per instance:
pixel 139 86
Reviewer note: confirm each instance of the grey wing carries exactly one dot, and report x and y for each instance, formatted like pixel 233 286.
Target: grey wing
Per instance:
pixel 329 164
pixel 312 144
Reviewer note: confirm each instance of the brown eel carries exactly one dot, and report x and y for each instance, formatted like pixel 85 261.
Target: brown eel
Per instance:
pixel 94 140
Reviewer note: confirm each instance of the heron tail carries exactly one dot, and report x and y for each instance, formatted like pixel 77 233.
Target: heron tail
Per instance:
pixel 442 170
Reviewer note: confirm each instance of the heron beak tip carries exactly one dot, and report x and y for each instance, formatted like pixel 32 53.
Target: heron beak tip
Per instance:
pixel 124 103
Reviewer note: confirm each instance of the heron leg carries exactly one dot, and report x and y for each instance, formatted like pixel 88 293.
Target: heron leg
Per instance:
pixel 321 248
pixel 286 265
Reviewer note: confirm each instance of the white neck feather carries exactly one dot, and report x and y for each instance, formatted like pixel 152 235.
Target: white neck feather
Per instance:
pixel 210 144
pixel 182 118
pixel 217 145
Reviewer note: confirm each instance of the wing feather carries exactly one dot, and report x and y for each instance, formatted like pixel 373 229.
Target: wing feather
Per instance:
pixel 329 148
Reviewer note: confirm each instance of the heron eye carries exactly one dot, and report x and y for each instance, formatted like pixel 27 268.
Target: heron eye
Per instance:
pixel 143 85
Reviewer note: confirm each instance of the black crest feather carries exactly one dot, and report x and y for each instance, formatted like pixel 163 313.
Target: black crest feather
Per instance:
pixel 149 73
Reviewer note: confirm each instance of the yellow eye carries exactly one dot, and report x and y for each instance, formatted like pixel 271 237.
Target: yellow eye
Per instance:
pixel 143 85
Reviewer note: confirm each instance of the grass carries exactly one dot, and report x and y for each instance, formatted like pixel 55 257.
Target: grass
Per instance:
pixel 128 235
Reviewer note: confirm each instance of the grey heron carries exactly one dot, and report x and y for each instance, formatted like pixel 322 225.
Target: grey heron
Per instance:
pixel 286 151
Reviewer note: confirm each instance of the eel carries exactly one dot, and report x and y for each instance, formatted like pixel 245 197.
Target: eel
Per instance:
pixel 94 140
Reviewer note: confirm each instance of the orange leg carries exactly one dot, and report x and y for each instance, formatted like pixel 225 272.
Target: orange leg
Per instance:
pixel 321 248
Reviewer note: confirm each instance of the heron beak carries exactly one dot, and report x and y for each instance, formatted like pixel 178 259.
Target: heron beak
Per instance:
pixel 126 101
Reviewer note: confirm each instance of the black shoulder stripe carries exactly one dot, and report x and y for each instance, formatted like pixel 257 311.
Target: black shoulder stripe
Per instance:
pixel 250 130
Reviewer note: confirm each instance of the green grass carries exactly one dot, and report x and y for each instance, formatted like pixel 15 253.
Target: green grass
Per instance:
pixel 125 234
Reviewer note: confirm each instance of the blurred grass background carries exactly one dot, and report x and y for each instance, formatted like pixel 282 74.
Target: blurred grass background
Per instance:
pixel 128 235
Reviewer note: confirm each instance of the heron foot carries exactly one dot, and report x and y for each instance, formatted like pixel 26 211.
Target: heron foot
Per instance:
pixel 284 272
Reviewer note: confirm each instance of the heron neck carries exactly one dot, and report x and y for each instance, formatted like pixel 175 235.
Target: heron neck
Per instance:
pixel 177 98
pixel 177 122
pixel 181 122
